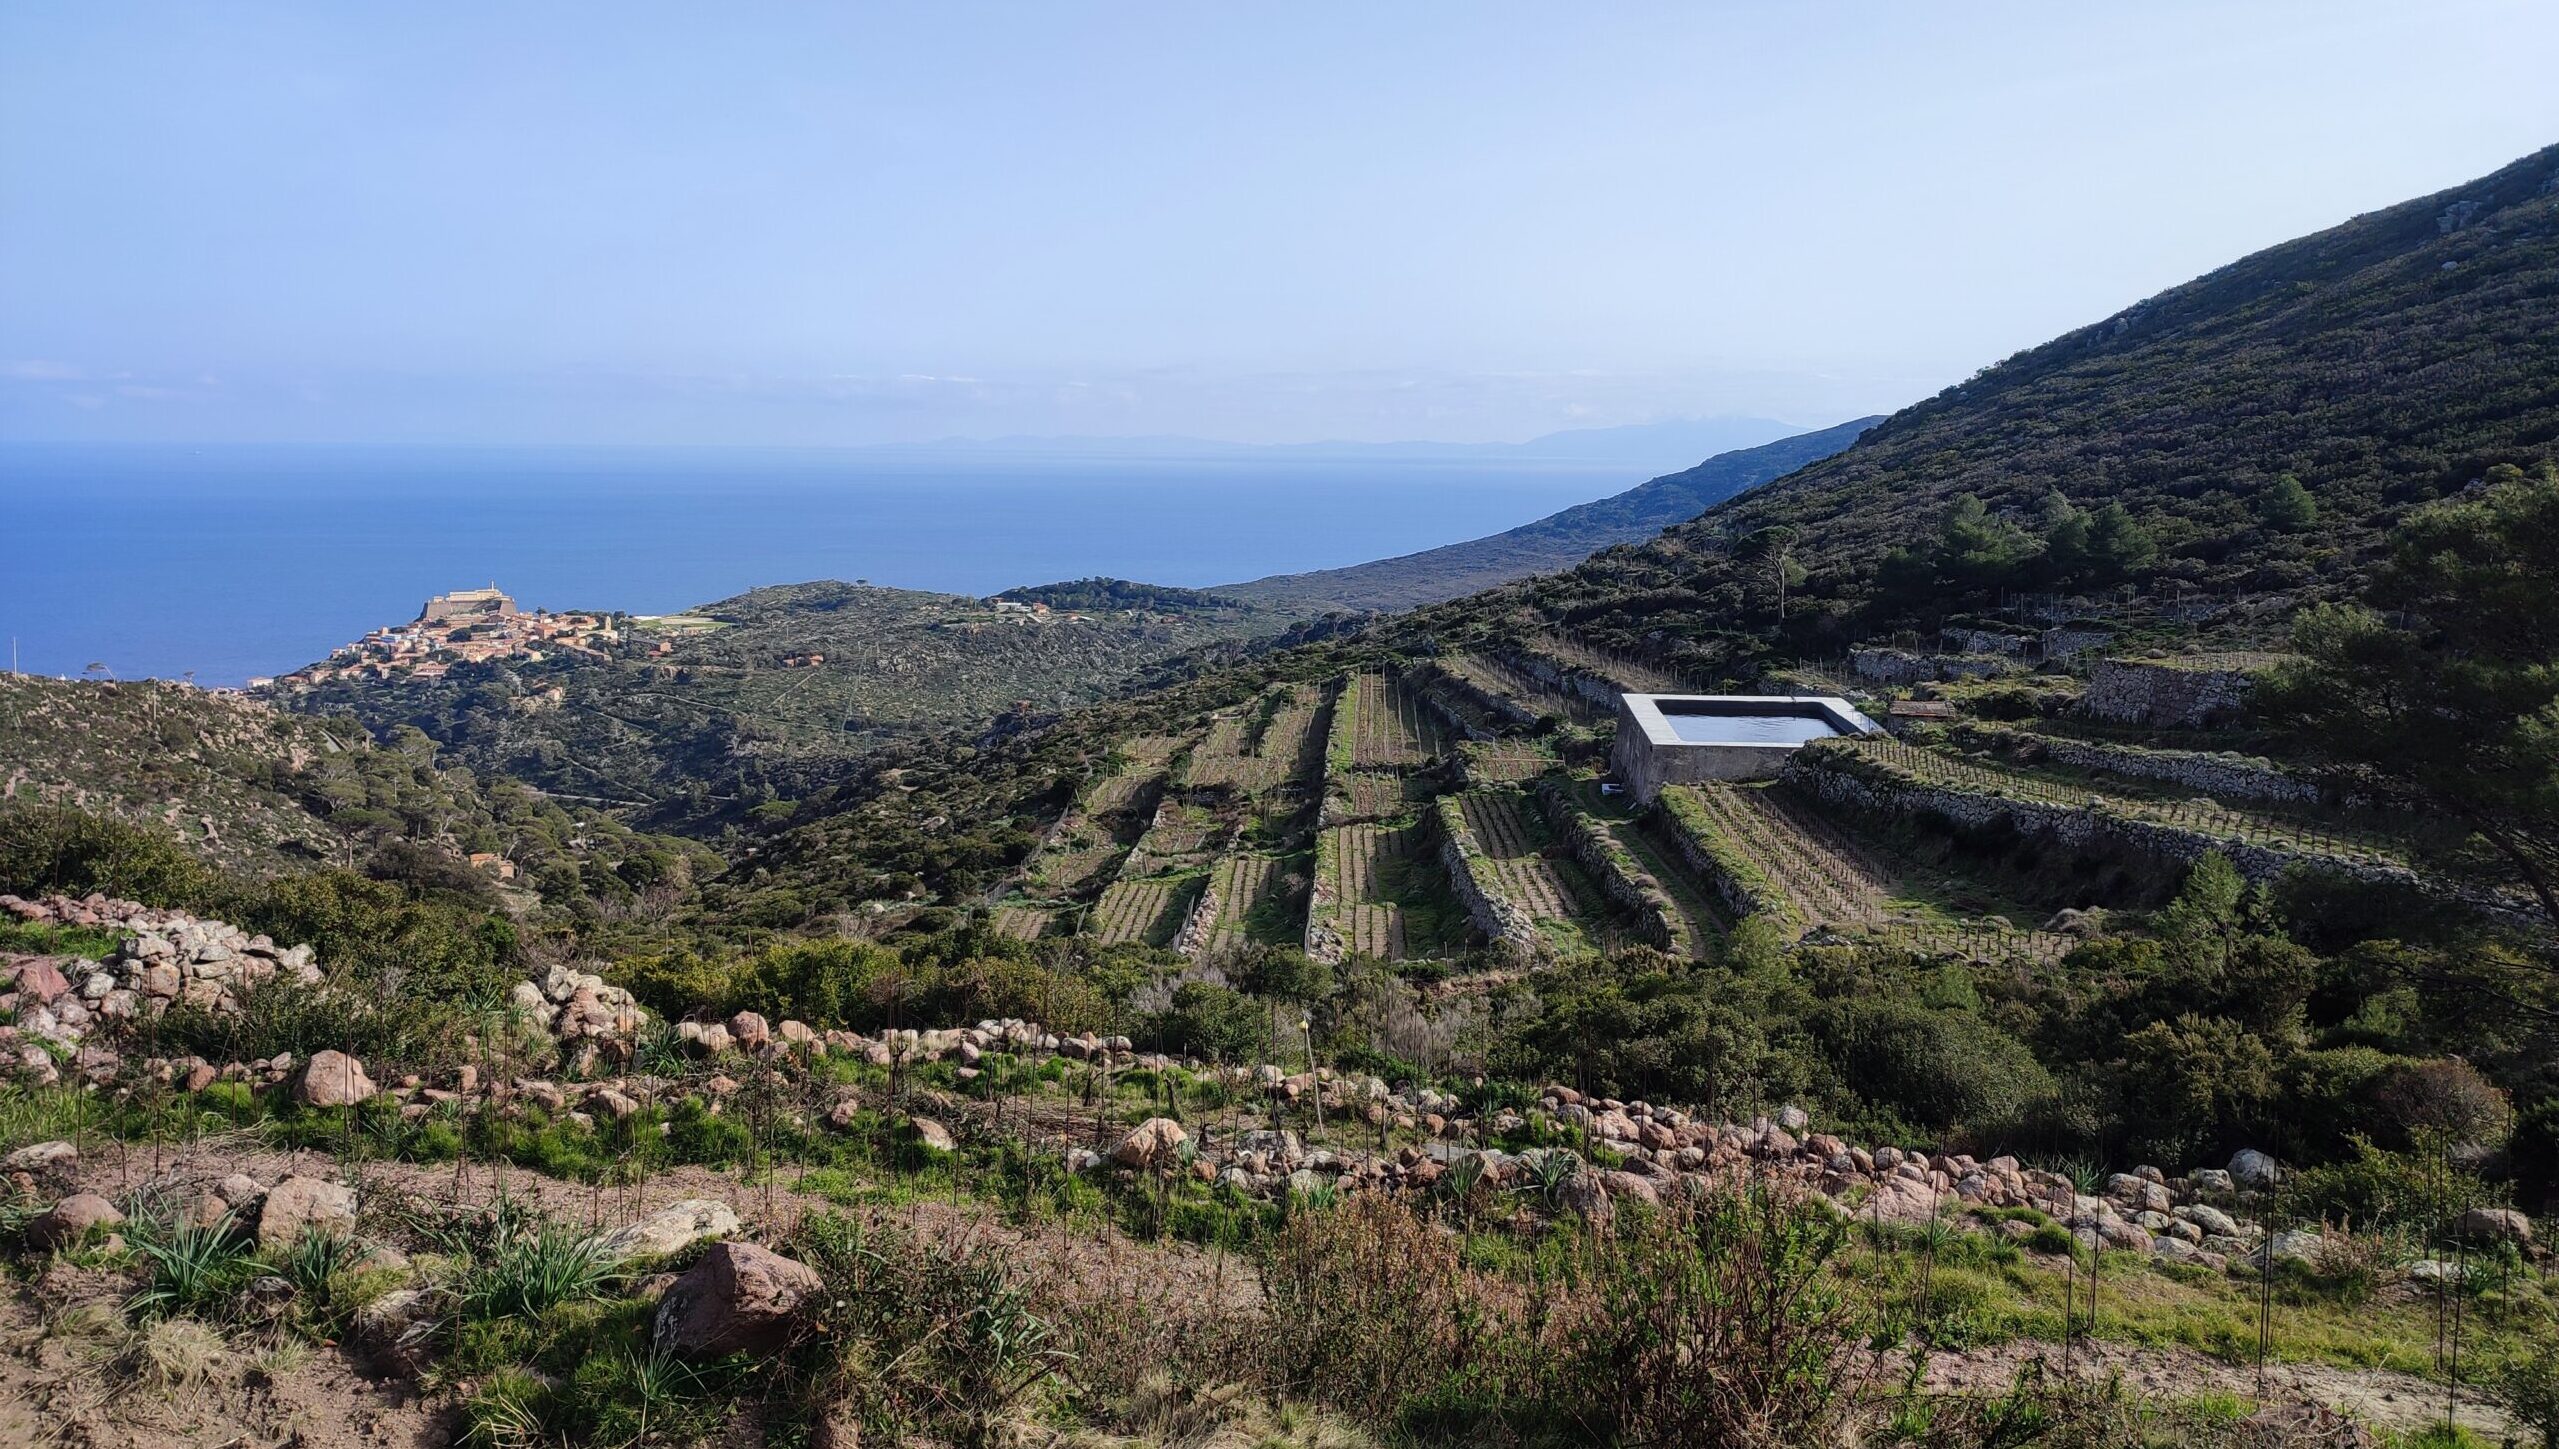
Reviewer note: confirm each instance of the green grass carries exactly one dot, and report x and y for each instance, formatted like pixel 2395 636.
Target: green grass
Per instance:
pixel 35 938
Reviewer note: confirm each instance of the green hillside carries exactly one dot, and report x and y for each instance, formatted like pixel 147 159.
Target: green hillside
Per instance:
pixel 771 693
pixel 255 791
pixel 1559 540
pixel 2382 364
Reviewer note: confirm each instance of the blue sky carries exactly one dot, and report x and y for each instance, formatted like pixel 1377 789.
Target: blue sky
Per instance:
pixel 786 223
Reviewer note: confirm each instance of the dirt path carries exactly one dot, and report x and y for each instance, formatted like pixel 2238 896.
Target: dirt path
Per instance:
pixel 2395 1401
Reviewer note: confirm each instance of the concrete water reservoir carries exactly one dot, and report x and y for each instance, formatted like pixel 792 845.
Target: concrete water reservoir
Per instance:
pixel 1673 739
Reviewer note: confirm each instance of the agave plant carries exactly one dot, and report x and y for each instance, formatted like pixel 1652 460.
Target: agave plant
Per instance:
pixel 195 1268
pixel 1463 1178
pixel 1551 1170
pixel 524 1272
pixel 311 1260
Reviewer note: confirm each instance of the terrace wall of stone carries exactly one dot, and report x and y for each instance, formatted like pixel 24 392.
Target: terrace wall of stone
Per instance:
pixel 1620 876
pixel 1501 709
pixel 1324 902
pixel 2189 693
pixel 1566 677
pixel 1725 867
pixel 1905 666
pixel 1478 887
pixel 2220 774
pixel 1200 926
pixel 1843 777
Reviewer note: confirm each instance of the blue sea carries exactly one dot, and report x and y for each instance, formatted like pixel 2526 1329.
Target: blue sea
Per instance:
pixel 226 563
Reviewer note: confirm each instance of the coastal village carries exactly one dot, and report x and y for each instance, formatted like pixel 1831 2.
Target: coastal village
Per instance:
pixel 467 626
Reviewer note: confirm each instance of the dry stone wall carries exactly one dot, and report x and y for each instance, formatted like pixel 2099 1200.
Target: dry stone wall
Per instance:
pixel 1497 916
pixel 1620 877
pixel 1905 666
pixel 2169 694
pixel 2222 775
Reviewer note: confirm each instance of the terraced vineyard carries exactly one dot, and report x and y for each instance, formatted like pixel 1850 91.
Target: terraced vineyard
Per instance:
pixel 1249 901
pixel 1628 674
pixel 1512 831
pixel 1269 745
pixel 1832 883
pixel 1375 793
pixel 1094 837
pixel 1541 888
pixel 1498 677
pixel 1502 762
pixel 1826 877
pixel 1390 730
pixel 2185 811
pixel 1021 923
pixel 1181 836
pixel 1280 811
pixel 1501 822
pixel 1142 763
pixel 1392 900
pixel 1148 911
pixel 1697 919
pixel 1079 852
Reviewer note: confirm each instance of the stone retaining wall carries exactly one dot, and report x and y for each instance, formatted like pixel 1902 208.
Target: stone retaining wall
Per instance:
pixel 1496 915
pixel 1906 666
pixel 1839 779
pixel 1721 867
pixel 2219 774
pixel 2169 693
pixel 1621 877
pixel 1201 924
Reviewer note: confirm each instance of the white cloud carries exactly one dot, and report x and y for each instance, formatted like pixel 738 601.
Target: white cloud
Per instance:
pixel 37 369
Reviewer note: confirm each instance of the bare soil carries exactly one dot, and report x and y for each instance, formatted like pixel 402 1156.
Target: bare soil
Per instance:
pixel 2387 1399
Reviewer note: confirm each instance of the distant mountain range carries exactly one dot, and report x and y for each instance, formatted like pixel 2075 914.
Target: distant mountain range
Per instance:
pixel 1559 540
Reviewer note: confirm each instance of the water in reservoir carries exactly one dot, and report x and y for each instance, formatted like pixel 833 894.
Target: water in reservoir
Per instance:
pixel 1749 729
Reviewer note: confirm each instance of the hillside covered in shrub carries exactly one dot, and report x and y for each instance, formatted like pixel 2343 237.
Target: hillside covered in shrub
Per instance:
pixel 2238 444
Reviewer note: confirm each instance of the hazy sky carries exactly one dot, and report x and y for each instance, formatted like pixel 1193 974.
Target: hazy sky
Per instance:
pixel 743 222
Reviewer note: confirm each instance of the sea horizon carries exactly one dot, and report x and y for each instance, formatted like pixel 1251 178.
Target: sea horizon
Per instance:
pixel 226 562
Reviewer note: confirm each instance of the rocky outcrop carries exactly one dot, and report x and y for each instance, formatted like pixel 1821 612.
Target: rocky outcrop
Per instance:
pixel 738 1299
pixel 671 1229
pixel 334 1079
pixel 300 1205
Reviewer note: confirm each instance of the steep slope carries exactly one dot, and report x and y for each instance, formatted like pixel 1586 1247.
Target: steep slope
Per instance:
pixel 2383 363
pixel 1556 541
pixel 2386 362
pixel 692 717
